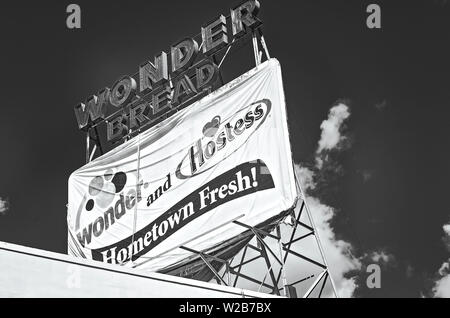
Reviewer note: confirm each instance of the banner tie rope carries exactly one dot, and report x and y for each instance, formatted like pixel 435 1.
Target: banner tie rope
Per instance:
pixel 137 187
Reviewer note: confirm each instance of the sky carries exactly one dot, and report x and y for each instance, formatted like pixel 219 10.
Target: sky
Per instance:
pixel 367 112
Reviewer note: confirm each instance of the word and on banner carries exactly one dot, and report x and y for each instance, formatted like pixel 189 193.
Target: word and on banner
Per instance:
pixel 165 86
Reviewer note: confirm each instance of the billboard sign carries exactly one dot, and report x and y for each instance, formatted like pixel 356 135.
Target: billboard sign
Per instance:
pixel 170 82
pixel 226 156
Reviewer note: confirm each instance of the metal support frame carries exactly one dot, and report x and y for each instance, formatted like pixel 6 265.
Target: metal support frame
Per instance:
pixel 97 144
pixel 319 244
pixel 256 51
pixel 204 258
pixel 284 247
pixel 265 252
pixel 270 258
pixel 258 35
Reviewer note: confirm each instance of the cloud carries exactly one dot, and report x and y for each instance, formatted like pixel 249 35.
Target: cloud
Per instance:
pixel 381 257
pixel 381 106
pixel 337 252
pixel 441 287
pixel 345 268
pixel 409 270
pixel 446 228
pixel 366 175
pixel 306 177
pixel 4 206
pixel 331 135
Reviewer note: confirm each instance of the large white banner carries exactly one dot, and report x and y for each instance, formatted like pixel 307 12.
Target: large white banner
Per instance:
pixel 227 157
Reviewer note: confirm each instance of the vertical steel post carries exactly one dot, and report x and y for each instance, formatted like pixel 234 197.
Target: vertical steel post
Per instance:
pixel 282 270
pixel 137 187
pixel 269 267
pixel 317 237
pixel 87 146
pixel 263 43
pixel 255 48
pixel 93 153
pixel 228 273
pixel 316 282
pixel 97 141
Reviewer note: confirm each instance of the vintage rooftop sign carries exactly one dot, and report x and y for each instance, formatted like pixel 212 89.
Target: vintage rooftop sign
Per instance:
pixel 169 83
pixel 226 157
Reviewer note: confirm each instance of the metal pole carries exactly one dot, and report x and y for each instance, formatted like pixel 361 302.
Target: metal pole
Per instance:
pixel 269 266
pixel 283 272
pixel 87 146
pixel 314 284
pixel 137 188
pixel 316 234
pixel 98 142
pixel 264 280
pixel 225 55
pixel 255 48
pixel 216 274
pixel 321 251
pixel 93 152
pixel 263 43
pixel 228 273
pixel 294 230
pixel 323 284
pixel 220 73
pixel 254 280
pixel 240 266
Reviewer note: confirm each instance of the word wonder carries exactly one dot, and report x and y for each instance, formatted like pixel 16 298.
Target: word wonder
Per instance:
pixel 167 84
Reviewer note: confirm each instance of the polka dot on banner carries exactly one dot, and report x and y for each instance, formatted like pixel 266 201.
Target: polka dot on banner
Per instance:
pixel 90 205
pixel 119 180
pixel 96 186
pixel 104 189
pixel 106 196
pixel 109 174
